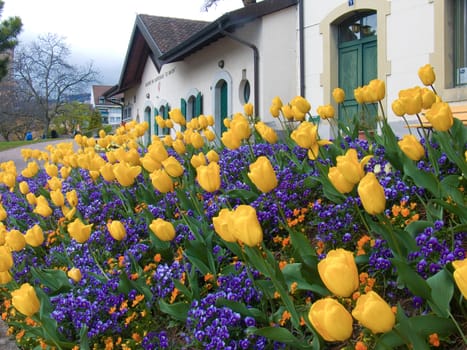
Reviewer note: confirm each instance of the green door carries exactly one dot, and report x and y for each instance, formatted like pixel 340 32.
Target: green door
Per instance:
pixel 357 61
pixel 223 105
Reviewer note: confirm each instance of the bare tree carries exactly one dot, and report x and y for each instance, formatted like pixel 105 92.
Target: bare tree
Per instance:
pixel 43 69
pixel 208 3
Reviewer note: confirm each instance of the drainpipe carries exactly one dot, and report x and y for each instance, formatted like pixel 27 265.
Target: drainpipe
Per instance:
pixel 255 65
pixel 301 47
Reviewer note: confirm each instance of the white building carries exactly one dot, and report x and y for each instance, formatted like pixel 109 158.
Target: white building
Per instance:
pixel 292 47
pixel 110 109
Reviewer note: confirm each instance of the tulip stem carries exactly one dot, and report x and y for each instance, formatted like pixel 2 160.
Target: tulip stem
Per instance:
pixel 458 328
pixel 98 264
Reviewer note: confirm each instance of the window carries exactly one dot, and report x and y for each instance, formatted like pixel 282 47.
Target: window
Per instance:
pixel 101 100
pixel 358 27
pixel 460 42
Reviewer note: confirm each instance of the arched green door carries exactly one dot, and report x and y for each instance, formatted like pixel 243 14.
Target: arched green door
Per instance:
pixel 223 104
pixel 358 58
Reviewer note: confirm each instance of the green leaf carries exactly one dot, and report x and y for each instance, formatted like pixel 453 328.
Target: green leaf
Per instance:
pixel 244 195
pixel 416 339
pixel 179 310
pixel 416 284
pixel 302 245
pixel 55 280
pixel 83 338
pixel 293 273
pixel 281 335
pixel 442 290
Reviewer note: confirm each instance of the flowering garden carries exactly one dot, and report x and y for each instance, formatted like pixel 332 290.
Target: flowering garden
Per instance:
pixel 256 240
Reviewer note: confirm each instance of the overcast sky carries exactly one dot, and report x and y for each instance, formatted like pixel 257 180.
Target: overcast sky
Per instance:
pixel 99 31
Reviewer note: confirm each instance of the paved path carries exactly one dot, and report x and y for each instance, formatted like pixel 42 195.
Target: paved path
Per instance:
pixel 14 154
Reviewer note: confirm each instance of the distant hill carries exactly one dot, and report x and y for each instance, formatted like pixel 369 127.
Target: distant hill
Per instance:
pixel 83 98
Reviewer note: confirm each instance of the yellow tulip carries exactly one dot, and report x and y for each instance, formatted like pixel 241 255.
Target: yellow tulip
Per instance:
pixel 339 272
pixel 374 313
pixel 331 320
pixel 57 197
pixel 245 226
pixel 266 132
pixel 209 134
pixel 305 135
pixel 42 207
pixel 6 258
pixel 68 213
pixel 23 187
pixel 51 169
pixel 378 90
pixel 31 198
pixel 162 181
pixel 72 198
pixel 79 231
pixel 197 140
pixel 126 174
pixel 164 230
pixel 117 230
pixel 31 170
pixel 54 183
pixel 25 300
pixel 65 172
pixel 208 177
pixel 198 160
pixel 75 274
pixel 411 100
pixel 460 275
pixel 173 167
pixel 248 109
pixel 179 146
pixel 230 140
pixel 263 175
pixel 426 74
pixel 240 126
pixel 34 236
pixel 5 277
pixel 3 213
pixel 212 156
pixel 221 225
pixel 326 111
pixel 177 116
pixel 158 151
pixel 275 111
pixel 372 194
pixel 398 107
pixel 202 122
pixel 338 95
pixel 359 95
pixel 428 98
pixel 411 147
pixel 9 179
pixel 107 172
pixel 301 104
pixel 349 166
pixel 440 116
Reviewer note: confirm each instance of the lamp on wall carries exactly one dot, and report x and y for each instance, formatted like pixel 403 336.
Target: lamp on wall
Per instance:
pixel 148 96
pixel 220 64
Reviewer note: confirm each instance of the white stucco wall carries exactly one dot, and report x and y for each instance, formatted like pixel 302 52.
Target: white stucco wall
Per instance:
pixel 277 45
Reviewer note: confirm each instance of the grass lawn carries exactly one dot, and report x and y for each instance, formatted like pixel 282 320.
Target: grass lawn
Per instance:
pixel 4 145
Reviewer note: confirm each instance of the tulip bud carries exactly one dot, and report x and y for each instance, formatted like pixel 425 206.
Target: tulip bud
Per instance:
pixel 51 169
pixel 460 275
pixel 6 258
pixel 248 109
pixel 198 160
pixel 208 177
pixel 126 174
pixel 331 320
pixel 240 127
pixel 412 100
pixel 372 194
pixel 197 140
pixel 117 230
pixel 212 156
pixel 42 207
pixel 177 116
pixel 267 133
pixel 374 313
pixel 326 111
pixel 262 174
pixel 34 236
pixel 57 197
pixel 339 273
pixel 75 274
pixel 349 166
pixel 3 213
pixel 79 231
pixel 230 139
pixel 25 300
pixel 411 147
pixel 426 74
pixel 5 277
pixel 398 108
pixel 440 116
pixel 72 198
pixel 209 134
pixel 305 135
pixel 23 187
pixel 339 95
pixel 163 230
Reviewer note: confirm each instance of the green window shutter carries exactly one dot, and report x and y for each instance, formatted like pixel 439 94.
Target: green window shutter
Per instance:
pixel 183 109
pixel 156 127
pixel 199 104
pixel 166 116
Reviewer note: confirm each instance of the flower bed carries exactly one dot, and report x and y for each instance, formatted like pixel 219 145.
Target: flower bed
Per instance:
pixel 247 242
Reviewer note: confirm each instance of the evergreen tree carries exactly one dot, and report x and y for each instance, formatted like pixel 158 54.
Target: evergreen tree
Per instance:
pixel 9 30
